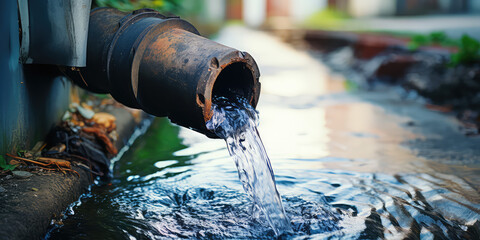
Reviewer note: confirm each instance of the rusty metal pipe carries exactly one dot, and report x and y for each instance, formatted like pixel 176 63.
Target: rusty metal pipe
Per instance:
pixel 163 66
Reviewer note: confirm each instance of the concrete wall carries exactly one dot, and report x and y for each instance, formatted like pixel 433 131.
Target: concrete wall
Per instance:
pixel 33 97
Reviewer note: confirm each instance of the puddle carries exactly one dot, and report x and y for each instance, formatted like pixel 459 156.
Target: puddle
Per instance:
pixel 348 165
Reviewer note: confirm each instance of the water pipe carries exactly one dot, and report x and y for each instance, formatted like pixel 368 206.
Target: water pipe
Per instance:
pixel 163 66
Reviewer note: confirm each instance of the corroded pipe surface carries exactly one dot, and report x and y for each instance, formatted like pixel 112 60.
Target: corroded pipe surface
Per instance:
pixel 163 66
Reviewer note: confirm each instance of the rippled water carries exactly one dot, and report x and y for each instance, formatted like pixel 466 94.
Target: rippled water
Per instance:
pixel 347 165
pixel 236 122
pixel 174 183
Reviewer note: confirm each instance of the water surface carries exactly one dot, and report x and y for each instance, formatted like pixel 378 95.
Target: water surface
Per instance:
pixel 347 165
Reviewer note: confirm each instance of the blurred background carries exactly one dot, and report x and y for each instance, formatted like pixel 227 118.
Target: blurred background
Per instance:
pixel 370 113
pixel 210 15
pixel 368 108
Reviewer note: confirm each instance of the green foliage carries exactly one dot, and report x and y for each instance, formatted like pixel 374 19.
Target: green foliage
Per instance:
pixel 5 166
pixel 417 41
pixel 439 37
pixel 468 51
pixel 328 18
pixel 350 85
pixel 434 38
pixel 102 96
pixel 130 5
pixel 468 48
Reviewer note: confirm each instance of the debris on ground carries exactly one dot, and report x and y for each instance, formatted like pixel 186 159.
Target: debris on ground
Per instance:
pixel 21 174
pixel 84 138
pixel 429 73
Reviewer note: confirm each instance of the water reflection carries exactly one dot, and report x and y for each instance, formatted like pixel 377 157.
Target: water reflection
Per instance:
pixel 348 165
pixel 201 197
pixel 156 150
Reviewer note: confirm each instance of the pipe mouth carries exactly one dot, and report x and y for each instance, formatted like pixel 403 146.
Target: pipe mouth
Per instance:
pixel 234 80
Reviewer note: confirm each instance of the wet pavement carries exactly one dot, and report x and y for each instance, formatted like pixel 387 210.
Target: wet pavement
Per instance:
pixel 347 164
pixel 303 100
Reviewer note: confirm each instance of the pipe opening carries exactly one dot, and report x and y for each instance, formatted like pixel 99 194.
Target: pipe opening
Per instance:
pixel 234 80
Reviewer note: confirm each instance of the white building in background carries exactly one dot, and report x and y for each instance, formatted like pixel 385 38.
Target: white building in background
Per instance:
pixel 254 12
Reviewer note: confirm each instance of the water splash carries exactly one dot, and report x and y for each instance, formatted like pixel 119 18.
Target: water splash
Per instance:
pixel 236 122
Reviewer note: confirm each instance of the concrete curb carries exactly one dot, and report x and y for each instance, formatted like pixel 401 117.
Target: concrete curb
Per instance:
pixel 27 206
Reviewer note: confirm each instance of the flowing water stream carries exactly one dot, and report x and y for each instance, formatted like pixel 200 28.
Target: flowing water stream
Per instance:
pixel 236 122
